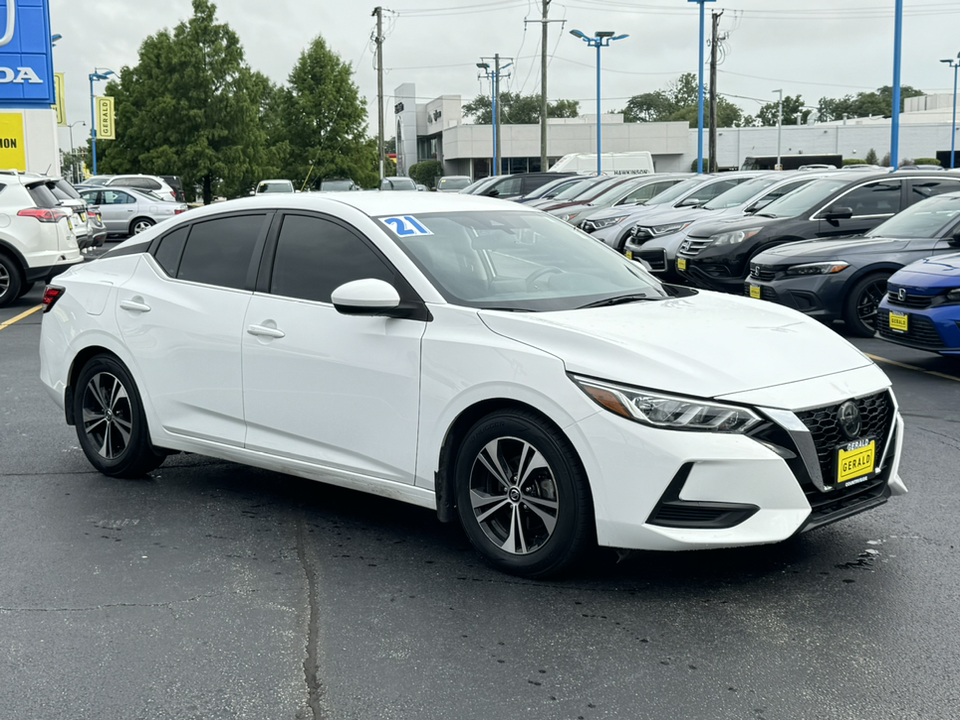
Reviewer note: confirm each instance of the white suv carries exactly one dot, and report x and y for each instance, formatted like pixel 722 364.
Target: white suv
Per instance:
pixel 38 241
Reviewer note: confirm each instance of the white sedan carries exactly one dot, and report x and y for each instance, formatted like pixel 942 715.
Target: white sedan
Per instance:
pixel 476 357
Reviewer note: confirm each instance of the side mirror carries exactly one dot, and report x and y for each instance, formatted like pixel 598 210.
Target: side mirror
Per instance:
pixel 689 201
pixel 954 239
pixel 493 193
pixel 374 297
pixel 836 212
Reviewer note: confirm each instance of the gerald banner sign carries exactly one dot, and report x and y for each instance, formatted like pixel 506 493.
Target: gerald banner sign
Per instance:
pixel 26 54
pixel 106 129
pixel 13 152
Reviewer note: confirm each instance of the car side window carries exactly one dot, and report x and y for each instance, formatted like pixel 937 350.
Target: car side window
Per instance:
pixel 91 197
pixel 509 187
pixel 315 256
pixel 645 192
pixel 710 191
pixel 116 197
pixel 219 251
pixel 876 198
pixel 924 188
pixel 170 249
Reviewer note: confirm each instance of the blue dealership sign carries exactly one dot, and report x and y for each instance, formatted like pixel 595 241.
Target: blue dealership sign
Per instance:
pixel 26 54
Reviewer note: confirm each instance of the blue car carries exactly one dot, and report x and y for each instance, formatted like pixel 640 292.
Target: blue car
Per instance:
pixel 922 306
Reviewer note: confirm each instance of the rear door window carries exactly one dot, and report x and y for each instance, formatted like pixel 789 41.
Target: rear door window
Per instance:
pixel 876 198
pixel 43 196
pixel 220 251
pixel 921 188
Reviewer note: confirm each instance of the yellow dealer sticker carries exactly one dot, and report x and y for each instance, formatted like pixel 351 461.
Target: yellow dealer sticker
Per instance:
pixel 13 153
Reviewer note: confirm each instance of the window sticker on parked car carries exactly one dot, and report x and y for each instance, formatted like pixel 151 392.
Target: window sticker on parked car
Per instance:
pixel 405 225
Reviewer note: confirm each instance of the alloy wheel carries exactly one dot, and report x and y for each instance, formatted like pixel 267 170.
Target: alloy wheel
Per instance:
pixel 107 415
pixel 513 494
pixel 869 301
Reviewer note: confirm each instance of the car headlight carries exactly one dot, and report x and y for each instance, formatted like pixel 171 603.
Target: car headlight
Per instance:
pixel 820 268
pixel 732 238
pixel 953 296
pixel 608 222
pixel 666 229
pixel 668 411
pixel 567 217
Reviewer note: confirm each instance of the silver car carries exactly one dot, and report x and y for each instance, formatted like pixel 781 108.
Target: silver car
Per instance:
pixel 125 211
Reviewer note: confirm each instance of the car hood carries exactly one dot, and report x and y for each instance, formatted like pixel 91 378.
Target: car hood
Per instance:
pixel 830 249
pixel 931 271
pixel 707 345
pixel 674 215
pixel 706 228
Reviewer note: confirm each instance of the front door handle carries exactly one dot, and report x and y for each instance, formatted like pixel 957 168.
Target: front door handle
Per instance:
pixel 262 331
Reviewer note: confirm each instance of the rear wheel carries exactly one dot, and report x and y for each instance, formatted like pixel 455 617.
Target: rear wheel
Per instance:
pixel 110 422
pixel 10 282
pixel 860 307
pixel 140 224
pixel 522 495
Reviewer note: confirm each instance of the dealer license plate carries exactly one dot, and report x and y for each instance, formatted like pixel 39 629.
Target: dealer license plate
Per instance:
pixel 899 321
pixel 681 263
pixel 629 254
pixel 755 291
pixel 856 460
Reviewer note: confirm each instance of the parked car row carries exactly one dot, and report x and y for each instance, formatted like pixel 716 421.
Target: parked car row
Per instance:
pixel 823 242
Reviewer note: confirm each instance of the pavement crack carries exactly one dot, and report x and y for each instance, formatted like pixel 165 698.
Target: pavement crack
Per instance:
pixel 311 663
pixel 89 608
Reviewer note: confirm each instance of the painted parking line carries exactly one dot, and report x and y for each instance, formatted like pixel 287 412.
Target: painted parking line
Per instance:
pixel 877 358
pixel 20 317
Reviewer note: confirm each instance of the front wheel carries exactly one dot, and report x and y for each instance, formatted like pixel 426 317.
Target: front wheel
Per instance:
pixel 860 306
pixel 522 495
pixel 110 422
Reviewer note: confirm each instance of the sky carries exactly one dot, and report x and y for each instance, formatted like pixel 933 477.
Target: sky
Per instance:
pixel 813 48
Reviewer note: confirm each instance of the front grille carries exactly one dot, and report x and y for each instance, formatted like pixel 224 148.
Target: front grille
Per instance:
pixel 656 259
pixel 921 332
pixel 876 413
pixel 909 300
pixel 694 246
pixel 762 272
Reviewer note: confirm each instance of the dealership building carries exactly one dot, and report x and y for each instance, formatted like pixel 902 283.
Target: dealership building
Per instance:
pixel 436 131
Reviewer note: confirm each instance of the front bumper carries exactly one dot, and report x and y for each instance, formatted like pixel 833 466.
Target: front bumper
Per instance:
pixel 671 490
pixel 934 330
pixel 819 296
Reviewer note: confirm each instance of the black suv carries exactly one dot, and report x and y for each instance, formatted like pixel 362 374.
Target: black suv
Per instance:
pixel 717 255
pixel 511 187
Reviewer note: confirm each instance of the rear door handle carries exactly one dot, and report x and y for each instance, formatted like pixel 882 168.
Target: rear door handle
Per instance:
pixel 261 331
pixel 137 305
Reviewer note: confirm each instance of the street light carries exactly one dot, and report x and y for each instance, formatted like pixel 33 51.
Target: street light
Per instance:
pixel 600 39
pixel 95 75
pixel 73 154
pixel 779 125
pixel 494 77
pixel 700 93
pixel 953 125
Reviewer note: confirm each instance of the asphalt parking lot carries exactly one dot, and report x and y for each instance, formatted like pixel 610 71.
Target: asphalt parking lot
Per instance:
pixel 212 590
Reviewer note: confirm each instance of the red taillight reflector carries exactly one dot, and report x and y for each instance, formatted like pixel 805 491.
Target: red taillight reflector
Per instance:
pixel 177 211
pixel 51 294
pixel 50 215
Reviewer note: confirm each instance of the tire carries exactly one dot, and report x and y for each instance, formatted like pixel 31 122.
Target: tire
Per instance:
pixel 10 282
pixel 533 525
pixel 860 305
pixel 25 288
pixel 140 224
pixel 110 422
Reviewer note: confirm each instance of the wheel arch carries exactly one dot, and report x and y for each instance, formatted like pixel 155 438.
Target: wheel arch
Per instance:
pixel 9 250
pixel 455 435
pixel 76 367
pixel 137 219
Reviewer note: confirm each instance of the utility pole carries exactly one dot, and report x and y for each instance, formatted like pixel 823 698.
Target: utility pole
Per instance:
pixel 714 42
pixel 378 11
pixel 544 105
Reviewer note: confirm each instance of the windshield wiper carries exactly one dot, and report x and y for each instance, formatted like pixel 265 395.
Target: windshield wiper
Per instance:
pixel 618 300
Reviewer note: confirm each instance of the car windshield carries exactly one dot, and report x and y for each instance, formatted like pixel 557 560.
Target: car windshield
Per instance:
pixel 926 219
pixel 477 185
pixel 336 185
pixel 274 187
pixel 398 183
pixel 612 194
pixel 522 261
pixel 551 188
pixel 739 194
pixel 804 199
pixel 675 192
pixel 575 190
pixel 97 180
pixel 453 183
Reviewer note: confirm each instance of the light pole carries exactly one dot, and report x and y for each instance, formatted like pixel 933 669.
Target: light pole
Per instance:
pixel 600 39
pixel 700 92
pixel 953 125
pixel 779 125
pixel 494 77
pixel 73 154
pixel 95 75
pixel 895 110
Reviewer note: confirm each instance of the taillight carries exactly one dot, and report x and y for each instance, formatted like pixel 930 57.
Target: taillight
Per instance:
pixel 177 211
pixel 173 194
pixel 51 294
pixel 45 215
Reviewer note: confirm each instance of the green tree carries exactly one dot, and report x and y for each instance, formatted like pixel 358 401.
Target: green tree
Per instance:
pixel 426 172
pixel 517 109
pixel 871 157
pixel 793 112
pixel 321 122
pixel 191 107
pixel 680 101
pixel 863 104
